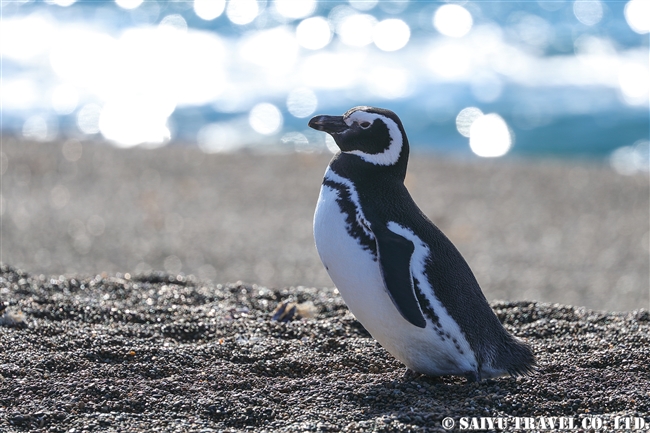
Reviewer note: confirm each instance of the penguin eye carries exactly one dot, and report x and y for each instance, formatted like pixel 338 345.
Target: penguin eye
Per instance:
pixel 364 125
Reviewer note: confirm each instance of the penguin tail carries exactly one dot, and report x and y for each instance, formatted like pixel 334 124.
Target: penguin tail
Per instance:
pixel 515 358
pixel 521 359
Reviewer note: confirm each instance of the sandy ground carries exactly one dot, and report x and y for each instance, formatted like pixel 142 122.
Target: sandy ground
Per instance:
pixel 567 232
pixel 91 339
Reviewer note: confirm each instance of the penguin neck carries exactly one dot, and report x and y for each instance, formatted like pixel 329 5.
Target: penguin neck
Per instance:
pixel 357 170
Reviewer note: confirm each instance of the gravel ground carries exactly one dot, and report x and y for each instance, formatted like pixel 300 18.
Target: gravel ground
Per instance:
pixel 160 352
pixel 569 232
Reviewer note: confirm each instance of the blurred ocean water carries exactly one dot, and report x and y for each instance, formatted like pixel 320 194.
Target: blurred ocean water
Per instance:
pixel 484 78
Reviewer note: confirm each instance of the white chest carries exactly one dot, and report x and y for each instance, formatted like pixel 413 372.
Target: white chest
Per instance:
pixel 352 267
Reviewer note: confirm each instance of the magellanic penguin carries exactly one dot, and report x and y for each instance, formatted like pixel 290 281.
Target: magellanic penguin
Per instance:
pixel 398 273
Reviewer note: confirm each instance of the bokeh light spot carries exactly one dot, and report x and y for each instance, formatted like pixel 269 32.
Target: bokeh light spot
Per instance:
pixel 88 118
pixel 465 118
pixel 63 3
pixel 338 14
pixel 453 20
pixel 128 4
pixel 588 12
pixel 363 5
pixel 295 8
pixel 532 30
pixel 299 142
pixel 209 9
pixel 589 48
pixel 265 118
pixel 173 264
pixel 35 128
pixel 634 82
pixel 242 11
pixel 302 102
pixel 391 34
pixel 393 7
pixel 65 98
pixel 59 196
pixel 314 33
pixel 331 144
pixel 174 22
pixel 219 138
pixel 551 5
pixel 490 136
pixel 637 15
pixel 357 30
pixel 628 160
pixel 72 150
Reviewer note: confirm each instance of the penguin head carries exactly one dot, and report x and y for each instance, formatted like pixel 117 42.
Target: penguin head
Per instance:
pixel 373 134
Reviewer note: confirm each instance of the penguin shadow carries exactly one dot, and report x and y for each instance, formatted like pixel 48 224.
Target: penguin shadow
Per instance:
pixel 425 400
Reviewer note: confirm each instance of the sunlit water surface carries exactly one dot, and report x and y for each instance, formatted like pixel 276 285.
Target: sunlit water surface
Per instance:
pixel 482 78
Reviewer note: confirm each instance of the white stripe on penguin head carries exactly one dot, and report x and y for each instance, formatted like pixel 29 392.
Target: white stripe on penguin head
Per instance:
pixel 390 155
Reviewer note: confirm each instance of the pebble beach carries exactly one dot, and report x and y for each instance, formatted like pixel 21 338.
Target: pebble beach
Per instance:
pixel 138 287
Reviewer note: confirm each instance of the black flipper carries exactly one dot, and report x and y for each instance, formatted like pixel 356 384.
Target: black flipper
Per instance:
pixel 395 253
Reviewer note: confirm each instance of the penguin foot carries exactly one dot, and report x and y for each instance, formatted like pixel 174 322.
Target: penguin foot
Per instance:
pixel 472 376
pixel 410 374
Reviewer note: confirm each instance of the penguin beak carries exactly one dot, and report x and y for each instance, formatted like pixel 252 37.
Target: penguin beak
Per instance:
pixel 329 124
